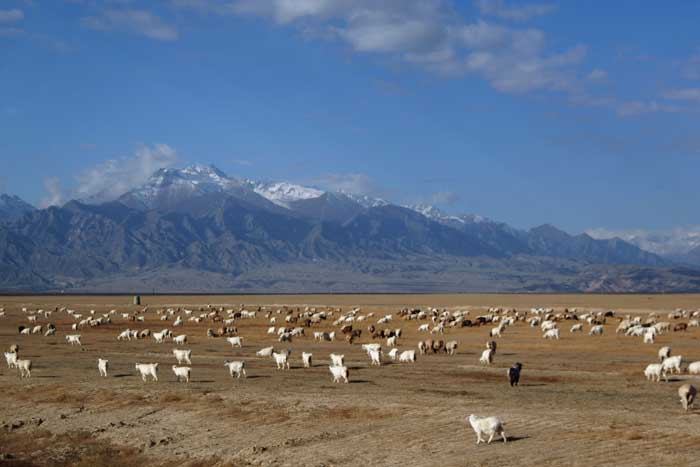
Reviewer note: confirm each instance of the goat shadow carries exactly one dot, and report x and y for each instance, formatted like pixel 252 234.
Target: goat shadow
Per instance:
pixel 515 439
pixel 360 381
pixel 121 375
pixel 256 376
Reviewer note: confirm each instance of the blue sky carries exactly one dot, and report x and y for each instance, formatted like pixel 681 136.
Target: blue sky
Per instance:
pixel 581 114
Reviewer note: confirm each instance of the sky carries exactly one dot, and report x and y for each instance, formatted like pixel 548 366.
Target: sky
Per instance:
pixel 579 114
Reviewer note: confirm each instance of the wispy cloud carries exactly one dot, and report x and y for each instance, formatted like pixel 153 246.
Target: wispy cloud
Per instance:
pixel 54 193
pixel 427 34
pixel 11 16
pixel 686 94
pixel 598 75
pixel 445 198
pixel 523 12
pixel 139 22
pixel 352 183
pixel 112 178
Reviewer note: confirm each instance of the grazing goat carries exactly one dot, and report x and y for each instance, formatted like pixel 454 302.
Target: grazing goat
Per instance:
pixel 306 358
pixel 394 353
pixel 235 341
pixel 577 328
pixel 551 334
pixel 236 368
pixel 281 359
pixel 694 368
pixel 73 339
pixel 664 353
pixel 451 347
pixel 266 352
pixel 422 347
pixel 102 366
pixel 687 393
pixel 182 372
pixel 489 426
pixel 183 356
pixel 596 330
pixel 375 357
pixel 25 368
pixel 408 356
pixel 180 340
pixel 486 357
pixel 11 359
pixel 337 360
pixel 653 372
pixel 514 374
pixel 671 365
pixel 339 373
pixel 148 369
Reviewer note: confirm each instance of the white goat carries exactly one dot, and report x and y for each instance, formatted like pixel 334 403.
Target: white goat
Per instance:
pixel 148 369
pixel 693 368
pixel 73 339
pixel 266 352
pixel 281 359
pixel 339 373
pixel 486 357
pixel 11 359
pixel 182 372
pixel 337 360
pixel 407 356
pixel 235 368
pixel 25 368
pixel 183 356
pixel 489 426
pixel 375 357
pixel 653 372
pixel 102 366
pixel 306 358
pixel 235 341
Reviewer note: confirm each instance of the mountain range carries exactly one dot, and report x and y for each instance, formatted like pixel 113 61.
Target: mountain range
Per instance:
pixel 197 229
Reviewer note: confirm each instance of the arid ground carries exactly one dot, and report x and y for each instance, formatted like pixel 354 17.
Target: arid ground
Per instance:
pixel 583 401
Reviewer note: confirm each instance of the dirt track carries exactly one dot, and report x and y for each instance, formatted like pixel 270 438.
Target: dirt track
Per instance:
pixel 582 400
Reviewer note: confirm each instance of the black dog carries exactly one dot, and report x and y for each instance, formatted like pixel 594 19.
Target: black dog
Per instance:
pixel 514 374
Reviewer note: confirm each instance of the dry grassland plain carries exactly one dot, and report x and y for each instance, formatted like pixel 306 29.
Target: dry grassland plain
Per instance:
pixel 583 400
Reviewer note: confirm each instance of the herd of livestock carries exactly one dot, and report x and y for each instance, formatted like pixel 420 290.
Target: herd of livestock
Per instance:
pixel 287 324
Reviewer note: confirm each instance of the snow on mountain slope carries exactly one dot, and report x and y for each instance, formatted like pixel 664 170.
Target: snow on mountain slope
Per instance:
pixel 431 212
pixel 283 193
pixel 365 200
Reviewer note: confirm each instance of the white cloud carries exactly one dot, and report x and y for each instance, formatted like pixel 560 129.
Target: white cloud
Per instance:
pixel 690 68
pixel 112 178
pixel 445 198
pixel 352 183
pixel 11 16
pixel 634 108
pixel 429 34
pixel 687 94
pixel 663 242
pixel 8 32
pixel 501 10
pixel 597 74
pixel 54 196
pixel 138 22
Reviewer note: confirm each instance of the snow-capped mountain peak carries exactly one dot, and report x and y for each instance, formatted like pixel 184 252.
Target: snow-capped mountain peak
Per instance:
pixel 365 201
pixel 283 193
